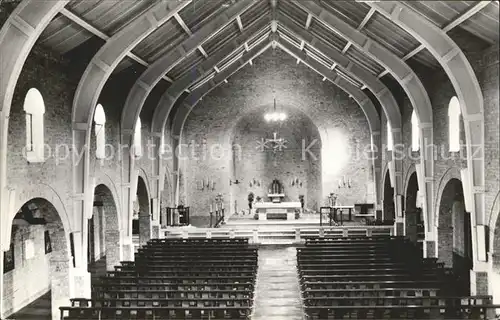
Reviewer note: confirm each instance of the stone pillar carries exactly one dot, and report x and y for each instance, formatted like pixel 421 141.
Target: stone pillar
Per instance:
pixel 1 287
pixel 60 283
pixel 4 195
pixel 101 232
pixel 429 249
pixel 445 243
pixel 411 216
pixel 426 176
pixel 128 248
pixel 113 254
pixel 377 167
pixel 398 184
pixel 96 217
pixel 129 185
pixel 479 282
pixel 399 229
pixel 111 233
pixel 155 229
pixel 80 278
pixel 144 228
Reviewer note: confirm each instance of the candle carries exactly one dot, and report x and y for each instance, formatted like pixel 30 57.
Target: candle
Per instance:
pixel 222 205
pixel 211 208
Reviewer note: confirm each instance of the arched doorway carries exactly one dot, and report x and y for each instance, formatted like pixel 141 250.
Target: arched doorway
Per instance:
pixel 389 212
pixel 37 265
pixel 413 213
pixel 104 232
pixel 454 234
pixel 141 223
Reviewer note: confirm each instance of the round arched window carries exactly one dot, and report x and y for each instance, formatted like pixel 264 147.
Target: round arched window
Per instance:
pixel 35 110
pixel 100 133
pixel 454 124
pixel 415 132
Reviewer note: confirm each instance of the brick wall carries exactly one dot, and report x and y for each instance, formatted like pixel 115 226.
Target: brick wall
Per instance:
pixel 489 78
pixel 57 77
pixel 495 262
pixel 289 163
pixel 484 61
pixel 44 72
pixel 340 121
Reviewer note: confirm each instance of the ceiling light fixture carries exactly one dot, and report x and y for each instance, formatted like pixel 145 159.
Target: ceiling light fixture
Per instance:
pixel 275 116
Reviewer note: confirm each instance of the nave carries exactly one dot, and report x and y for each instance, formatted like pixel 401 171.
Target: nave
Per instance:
pixel 128 125
pixel 338 278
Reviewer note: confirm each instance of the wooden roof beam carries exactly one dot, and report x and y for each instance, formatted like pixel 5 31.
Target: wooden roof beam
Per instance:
pixel 454 23
pixel 90 28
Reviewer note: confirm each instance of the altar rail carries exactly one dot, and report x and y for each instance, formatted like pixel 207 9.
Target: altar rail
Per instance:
pixel 279 235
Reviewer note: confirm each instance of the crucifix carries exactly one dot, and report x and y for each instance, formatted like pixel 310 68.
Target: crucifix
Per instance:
pixel 278 144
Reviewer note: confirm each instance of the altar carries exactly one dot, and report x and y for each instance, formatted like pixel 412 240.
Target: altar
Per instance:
pixel 274 210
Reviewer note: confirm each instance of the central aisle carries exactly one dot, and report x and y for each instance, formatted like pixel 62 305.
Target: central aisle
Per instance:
pixel 277 293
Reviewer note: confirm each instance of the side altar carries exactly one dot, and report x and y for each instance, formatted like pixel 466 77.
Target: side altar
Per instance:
pixel 275 208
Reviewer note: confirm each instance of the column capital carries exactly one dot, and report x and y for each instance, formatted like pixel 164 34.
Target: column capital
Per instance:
pixel 80 126
pixel 478 189
pixel 425 125
pixel 127 132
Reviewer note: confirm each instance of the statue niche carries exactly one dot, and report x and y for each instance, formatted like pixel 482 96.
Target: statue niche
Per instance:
pixel 276 192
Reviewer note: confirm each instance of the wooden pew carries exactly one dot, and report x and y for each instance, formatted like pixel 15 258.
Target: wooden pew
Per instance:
pixel 165 302
pixel 402 312
pixel 348 285
pixel 162 268
pixel 180 273
pixel 398 300
pixel 143 313
pixel 365 292
pixel 176 279
pixel 152 293
pixel 379 278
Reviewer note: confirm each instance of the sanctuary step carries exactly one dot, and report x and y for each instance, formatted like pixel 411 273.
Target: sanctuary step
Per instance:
pixel 276 216
pixel 277 294
pixel 275 232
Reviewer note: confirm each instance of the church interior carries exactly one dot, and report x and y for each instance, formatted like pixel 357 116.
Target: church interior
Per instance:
pixel 249 159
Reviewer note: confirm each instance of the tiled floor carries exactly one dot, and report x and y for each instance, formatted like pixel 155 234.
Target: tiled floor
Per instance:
pixel 277 295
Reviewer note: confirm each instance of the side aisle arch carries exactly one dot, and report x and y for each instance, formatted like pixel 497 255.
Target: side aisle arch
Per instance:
pixel 466 85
